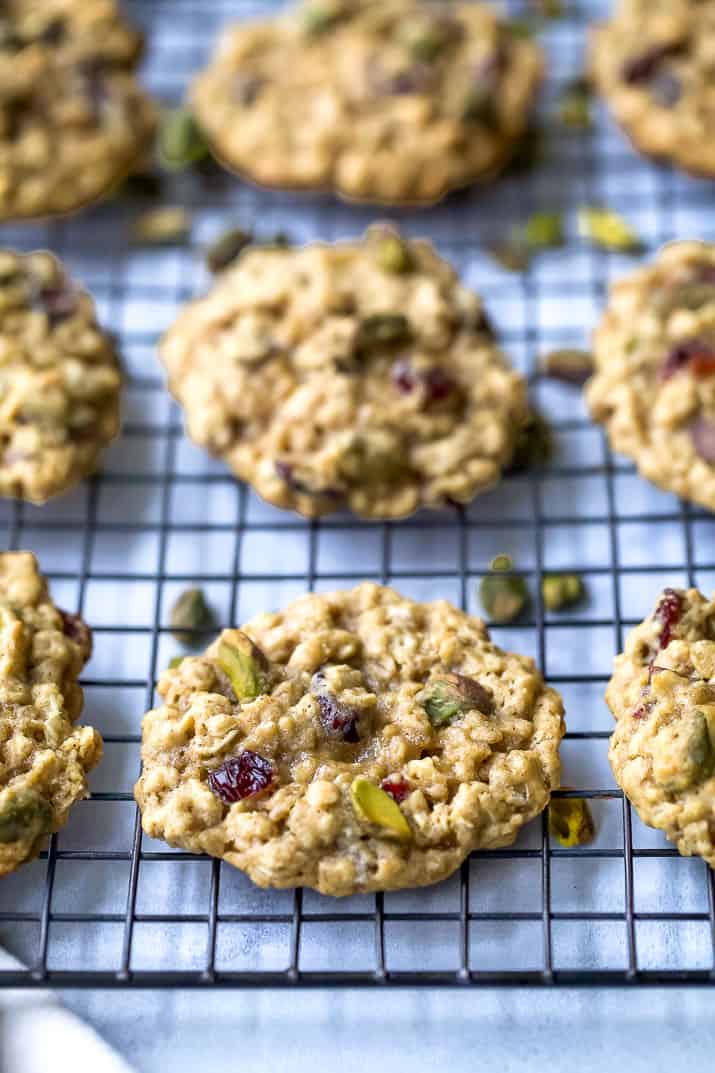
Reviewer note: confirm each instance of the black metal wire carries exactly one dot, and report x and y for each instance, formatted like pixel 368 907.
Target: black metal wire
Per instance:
pixel 191 26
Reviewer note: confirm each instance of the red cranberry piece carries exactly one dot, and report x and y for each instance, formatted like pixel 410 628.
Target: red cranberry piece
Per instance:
pixel 57 302
pixel 668 614
pixel 693 354
pixel 435 382
pixel 398 789
pixel 702 433
pixel 337 719
pixel 403 377
pixel 642 68
pixel 706 274
pixel 241 776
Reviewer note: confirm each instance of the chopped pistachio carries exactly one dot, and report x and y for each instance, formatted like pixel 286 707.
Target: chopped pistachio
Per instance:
pixel 686 753
pixel 224 250
pixel 382 330
pixel 503 596
pixel 574 106
pixel 24 814
pixel 189 614
pixel 607 229
pixel 372 805
pixel 243 663
pixel 544 230
pixel 479 106
pixel 181 142
pixel 394 255
pixel 512 254
pixel 535 445
pixel 562 590
pixel 368 459
pixel 683 296
pixel 449 695
pixel 574 366
pixel 162 227
pixel 541 231
pixel 321 16
pixel 570 821
pixel 175 662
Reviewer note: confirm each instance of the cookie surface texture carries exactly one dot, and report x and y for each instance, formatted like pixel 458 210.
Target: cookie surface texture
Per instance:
pixel 378 743
pixel 360 375
pixel 654 385
pixel 662 695
pixel 653 63
pixel 44 755
pixel 59 379
pixel 388 101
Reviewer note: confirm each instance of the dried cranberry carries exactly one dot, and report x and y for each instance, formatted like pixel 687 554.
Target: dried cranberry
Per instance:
pixel 435 382
pixel 642 68
pixel 241 776
pixel 403 377
pixel 668 614
pixel 74 627
pixel 338 719
pixel 398 789
pixel 702 433
pixel 693 354
pixel 58 302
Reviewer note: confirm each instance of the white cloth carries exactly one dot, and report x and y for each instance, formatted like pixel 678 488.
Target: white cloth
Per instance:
pixel 38 1034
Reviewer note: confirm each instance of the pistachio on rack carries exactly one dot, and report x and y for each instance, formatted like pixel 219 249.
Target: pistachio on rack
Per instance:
pixel 190 615
pixel 574 104
pixel 570 821
pixel 373 805
pixel 607 229
pixel 569 364
pixel 503 595
pixel 181 141
pixel 542 230
pixel 167 226
pixel 562 590
pixel 535 444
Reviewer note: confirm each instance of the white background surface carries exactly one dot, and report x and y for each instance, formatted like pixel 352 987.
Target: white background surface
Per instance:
pixel 186 529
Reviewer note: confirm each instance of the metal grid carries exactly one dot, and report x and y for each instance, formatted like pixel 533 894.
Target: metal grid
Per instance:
pixel 107 907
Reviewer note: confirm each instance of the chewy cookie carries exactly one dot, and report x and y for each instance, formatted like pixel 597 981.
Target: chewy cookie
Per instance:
pixel 59 379
pixel 654 386
pixel 361 375
pixel 73 121
pixel 44 757
pixel 653 63
pixel 386 101
pixel 356 741
pixel 662 695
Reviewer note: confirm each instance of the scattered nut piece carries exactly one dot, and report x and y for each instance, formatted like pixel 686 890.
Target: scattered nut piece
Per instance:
pixel 373 805
pixel 181 142
pixel 562 590
pixel 543 230
pixel 503 596
pixel 607 229
pixel 394 255
pixel 224 250
pixel 572 365
pixel 535 446
pixel 166 226
pixel 570 821
pixel 190 615
pixel 449 695
pixel 243 663
pixel 574 105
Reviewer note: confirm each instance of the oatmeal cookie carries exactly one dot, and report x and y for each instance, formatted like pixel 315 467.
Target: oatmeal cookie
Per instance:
pixel 59 379
pixel 662 695
pixel 44 757
pixel 361 375
pixel 654 63
pixel 356 741
pixel 73 120
pixel 388 101
pixel 654 386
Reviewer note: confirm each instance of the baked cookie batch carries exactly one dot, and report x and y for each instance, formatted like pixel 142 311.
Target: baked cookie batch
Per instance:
pixel 356 741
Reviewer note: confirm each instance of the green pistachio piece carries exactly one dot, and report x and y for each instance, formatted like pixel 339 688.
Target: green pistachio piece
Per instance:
pixel 503 596
pixel 189 614
pixel 382 331
pixel 562 590
pixel 685 754
pixel 449 695
pixel 535 444
pixel 574 106
pixel 479 106
pixel 372 805
pixel 512 254
pixel 224 250
pixel 572 365
pixel 690 296
pixel 570 821
pixel 175 662
pixel 394 255
pixel 167 226
pixel 320 16
pixel 607 229
pixel 244 664
pixel 24 814
pixel 541 231
pixel 181 142
pixel 544 230
pixel 367 459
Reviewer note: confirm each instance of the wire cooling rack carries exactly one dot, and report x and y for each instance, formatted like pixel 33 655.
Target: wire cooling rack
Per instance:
pixel 108 907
